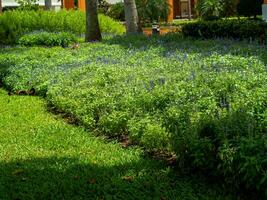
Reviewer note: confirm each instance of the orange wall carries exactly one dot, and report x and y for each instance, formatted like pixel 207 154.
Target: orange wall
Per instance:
pixel 174 11
pixel 170 16
pixel 81 5
pixel 68 4
pixel 265 1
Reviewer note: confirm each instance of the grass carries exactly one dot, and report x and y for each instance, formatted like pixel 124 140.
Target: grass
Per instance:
pixel 43 157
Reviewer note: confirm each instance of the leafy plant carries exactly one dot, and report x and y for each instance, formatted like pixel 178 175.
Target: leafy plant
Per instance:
pixel 152 10
pixel 47 39
pixel 116 11
pixel 214 9
pixel 209 8
pixel 148 11
pixel 27 4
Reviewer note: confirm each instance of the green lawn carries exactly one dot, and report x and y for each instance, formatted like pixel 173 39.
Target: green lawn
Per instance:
pixel 43 157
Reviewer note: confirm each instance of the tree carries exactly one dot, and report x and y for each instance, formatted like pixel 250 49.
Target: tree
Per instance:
pixel 48 4
pixel 249 8
pixel 229 8
pixel 131 17
pixel 92 25
pixel 1 6
pixel 214 9
pixel 152 10
pixel 209 9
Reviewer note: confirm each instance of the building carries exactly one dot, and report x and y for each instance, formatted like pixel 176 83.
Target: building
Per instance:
pixel 81 3
pixel 56 5
pixel 180 9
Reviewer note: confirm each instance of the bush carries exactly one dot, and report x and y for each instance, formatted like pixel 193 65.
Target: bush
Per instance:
pixel 209 8
pixel 47 39
pixel 204 100
pixel 103 6
pixel 116 11
pixel 152 10
pixel 228 28
pixel 148 11
pixel 13 24
pixel 28 4
pixel 214 9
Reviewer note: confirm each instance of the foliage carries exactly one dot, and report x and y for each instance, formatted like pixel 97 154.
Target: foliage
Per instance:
pixel 228 28
pixel 148 11
pixel 47 39
pixel 203 100
pixel 209 8
pixel 27 4
pixel 116 11
pixel 229 8
pixel 249 8
pixel 13 24
pixel 214 9
pixel 103 6
pixel 152 10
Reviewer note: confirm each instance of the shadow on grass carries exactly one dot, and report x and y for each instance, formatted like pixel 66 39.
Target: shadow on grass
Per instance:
pixel 68 178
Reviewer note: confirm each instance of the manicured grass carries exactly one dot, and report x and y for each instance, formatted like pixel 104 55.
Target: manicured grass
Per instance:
pixel 42 157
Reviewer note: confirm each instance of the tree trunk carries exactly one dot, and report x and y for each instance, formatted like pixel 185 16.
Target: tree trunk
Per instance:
pixel 189 9
pixel 131 17
pixel 48 4
pixel 92 25
pixel 1 6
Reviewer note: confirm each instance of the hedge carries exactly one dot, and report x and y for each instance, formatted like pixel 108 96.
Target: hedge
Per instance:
pixel 225 28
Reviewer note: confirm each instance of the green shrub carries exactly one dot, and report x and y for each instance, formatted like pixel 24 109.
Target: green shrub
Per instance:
pixel 152 10
pixel 28 4
pixel 116 11
pixel 13 24
pixel 103 6
pixel 232 28
pixel 47 39
pixel 148 11
pixel 215 9
pixel 208 9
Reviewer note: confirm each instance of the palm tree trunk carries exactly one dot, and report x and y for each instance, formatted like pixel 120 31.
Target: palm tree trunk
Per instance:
pixel 48 4
pixel 131 17
pixel 92 25
pixel 1 8
pixel 189 9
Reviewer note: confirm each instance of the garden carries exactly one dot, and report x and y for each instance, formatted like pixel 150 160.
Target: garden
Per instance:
pixel 175 116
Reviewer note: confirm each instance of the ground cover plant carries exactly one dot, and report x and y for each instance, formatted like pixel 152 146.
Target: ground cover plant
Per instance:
pixel 13 24
pixel 42 157
pixel 203 100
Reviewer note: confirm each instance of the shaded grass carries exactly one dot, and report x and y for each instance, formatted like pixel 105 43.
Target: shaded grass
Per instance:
pixel 42 157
